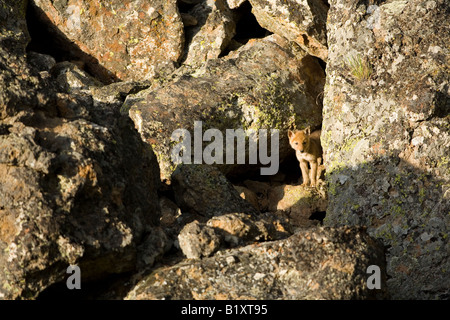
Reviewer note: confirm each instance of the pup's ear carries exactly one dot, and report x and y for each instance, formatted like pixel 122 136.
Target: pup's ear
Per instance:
pixel 307 131
pixel 290 133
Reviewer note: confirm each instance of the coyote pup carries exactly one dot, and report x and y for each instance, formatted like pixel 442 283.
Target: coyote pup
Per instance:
pixel 307 149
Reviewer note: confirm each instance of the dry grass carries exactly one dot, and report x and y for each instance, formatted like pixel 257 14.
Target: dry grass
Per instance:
pixel 359 68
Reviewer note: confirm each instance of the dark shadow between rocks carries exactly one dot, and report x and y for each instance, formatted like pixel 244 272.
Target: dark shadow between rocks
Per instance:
pixel 191 31
pixel 247 27
pixel 112 287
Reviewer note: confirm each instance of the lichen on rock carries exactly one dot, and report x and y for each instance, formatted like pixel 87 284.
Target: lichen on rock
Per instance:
pixel 268 86
pixel 272 270
pixel 115 37
pixel 78 185
pixel 91 93
pixel 303 22
pixel 386 137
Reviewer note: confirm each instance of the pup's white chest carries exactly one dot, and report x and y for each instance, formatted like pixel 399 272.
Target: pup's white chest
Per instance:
pixel 305 156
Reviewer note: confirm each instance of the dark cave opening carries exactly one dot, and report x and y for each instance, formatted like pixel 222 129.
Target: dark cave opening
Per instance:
pixel 247 27
pixel 318 215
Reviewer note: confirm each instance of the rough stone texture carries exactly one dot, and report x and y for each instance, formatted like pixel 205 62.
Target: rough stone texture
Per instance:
pixel 298 202
pixel 212 33
pixel 197 241
pixel 73 192
pixel 41 62
pixel 151 248
pixel 233 4
pixel 316 263
pixel 114 94
pixel 18 85
pixel 204 190
pixel 80 189
pixel 240 228
pixel 126 40
pixel 265 84
pixel 70 77
pixel 387 135
pixel 301 21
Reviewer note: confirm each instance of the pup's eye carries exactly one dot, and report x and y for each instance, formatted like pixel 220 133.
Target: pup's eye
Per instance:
pixel 296 143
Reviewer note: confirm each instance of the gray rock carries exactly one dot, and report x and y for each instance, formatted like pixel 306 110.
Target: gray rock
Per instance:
pixel 233 4
pixel 301 21
pixel 80 189
pixel 169 211
pixel 213 31
pixel 386 131
pixel 71 78
pixel 120 40
pixel 197 241
pixel 19 85
pixel 113 95
pixel 316 263
pixel 152 248
pixel 298 202
pixel 65 201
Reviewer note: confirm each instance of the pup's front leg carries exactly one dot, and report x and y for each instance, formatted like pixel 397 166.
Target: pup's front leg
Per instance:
pixel 313 173
pixel 320 168
pixel 305 173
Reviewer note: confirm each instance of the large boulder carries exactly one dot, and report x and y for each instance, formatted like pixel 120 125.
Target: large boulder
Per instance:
pixel 118 40
pixel 386 135
pixel 76 190
pixel 266 84
pixel 316 263
pixel 204 190
pixel 197 240
pixel 301 21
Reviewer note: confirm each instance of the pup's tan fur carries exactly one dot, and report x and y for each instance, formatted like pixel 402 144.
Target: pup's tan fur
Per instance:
pixel 308 150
